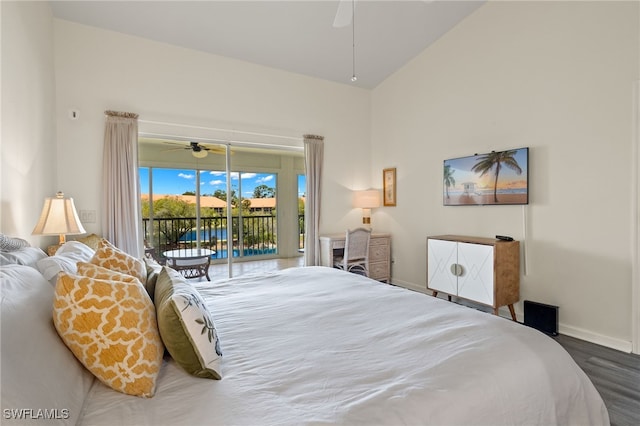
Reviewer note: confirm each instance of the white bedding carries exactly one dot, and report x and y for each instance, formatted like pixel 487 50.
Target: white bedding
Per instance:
pixel 321 346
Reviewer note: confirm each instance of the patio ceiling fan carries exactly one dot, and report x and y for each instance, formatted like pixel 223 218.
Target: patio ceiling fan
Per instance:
pixel 197 150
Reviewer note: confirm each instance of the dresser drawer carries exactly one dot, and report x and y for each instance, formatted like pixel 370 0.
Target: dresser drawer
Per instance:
pixel 379 270
pixel 379 241
pixel 378 252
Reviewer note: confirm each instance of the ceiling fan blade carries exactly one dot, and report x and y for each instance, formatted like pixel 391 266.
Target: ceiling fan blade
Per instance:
pixel 344 14
pixel 173 149
pixel 213 148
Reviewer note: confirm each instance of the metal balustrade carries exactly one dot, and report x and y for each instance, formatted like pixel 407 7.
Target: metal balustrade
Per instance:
pixel 256 236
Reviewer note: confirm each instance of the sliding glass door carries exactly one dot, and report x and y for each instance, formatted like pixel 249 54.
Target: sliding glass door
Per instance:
pixel 244 206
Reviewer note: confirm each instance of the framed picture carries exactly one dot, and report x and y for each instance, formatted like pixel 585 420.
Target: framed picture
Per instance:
pixel 494 178
pixel 389 186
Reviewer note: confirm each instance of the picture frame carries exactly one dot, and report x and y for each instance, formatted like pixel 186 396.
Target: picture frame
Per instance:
pixel 389 186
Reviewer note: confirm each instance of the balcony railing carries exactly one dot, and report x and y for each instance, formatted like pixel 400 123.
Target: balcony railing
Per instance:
pixel 256 236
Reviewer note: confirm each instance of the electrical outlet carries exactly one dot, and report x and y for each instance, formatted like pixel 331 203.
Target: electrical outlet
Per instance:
pixel 88 216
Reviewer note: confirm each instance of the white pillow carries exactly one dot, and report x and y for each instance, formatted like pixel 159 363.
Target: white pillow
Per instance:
pixel 38 371
pixel 27 256
pixel 65 260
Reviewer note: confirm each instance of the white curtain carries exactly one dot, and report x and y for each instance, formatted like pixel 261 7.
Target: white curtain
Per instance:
pixel 122 219
pixel 313 156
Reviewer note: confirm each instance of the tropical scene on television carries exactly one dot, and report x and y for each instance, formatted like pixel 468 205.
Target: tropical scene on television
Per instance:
pixel 498 177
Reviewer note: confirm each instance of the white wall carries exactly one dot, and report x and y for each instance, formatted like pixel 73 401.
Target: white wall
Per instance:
pixel 556 77
pixel 28 155
pixel 98 70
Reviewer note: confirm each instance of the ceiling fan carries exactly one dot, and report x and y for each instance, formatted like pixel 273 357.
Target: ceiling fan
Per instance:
pixel 197 150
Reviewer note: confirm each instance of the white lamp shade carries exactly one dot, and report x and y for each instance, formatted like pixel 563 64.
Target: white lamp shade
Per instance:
pixel 366 199
pixel 58 217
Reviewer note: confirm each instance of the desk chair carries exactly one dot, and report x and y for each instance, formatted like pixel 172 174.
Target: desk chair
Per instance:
pixel 356 252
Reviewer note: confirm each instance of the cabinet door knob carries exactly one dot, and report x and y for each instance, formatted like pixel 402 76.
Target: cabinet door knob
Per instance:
pixel 456 269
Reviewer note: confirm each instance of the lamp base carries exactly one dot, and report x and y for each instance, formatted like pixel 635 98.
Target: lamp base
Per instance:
pixel 366 220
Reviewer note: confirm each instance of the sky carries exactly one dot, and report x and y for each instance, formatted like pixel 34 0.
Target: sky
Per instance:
pixel 179 181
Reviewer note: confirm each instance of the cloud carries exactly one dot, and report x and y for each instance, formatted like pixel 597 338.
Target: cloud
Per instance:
pixel 248 175
pixel 186 175
pixel 216 182
pixel 218 173
pixel 265 179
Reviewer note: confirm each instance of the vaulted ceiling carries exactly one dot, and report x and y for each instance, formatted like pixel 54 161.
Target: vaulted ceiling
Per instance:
pixel 296 36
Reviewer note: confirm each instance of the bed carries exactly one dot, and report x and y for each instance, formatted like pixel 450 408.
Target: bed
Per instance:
pixel 315 345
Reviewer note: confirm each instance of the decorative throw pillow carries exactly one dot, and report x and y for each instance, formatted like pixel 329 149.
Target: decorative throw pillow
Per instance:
pixel 12 244
pixel 110 257
pixel 186 326
pixel 153 270
pixel 91 270
pixel 91 240
pixel 110 326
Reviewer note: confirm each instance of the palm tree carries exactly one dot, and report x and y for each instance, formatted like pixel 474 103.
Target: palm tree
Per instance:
pixel 449 180
pixel 486 162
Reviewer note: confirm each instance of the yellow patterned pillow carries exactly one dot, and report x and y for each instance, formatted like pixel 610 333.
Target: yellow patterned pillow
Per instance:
pixel 91 240
pixel 91 270
pixel 109 256
pixel 110 326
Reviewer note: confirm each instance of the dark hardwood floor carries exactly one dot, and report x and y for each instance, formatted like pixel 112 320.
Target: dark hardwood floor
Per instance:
pixel 615 374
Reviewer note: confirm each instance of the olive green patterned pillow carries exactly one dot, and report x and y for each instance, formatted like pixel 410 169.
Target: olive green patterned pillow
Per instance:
pixel 186 326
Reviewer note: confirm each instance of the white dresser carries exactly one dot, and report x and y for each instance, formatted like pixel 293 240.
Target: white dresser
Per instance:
pixel 379 253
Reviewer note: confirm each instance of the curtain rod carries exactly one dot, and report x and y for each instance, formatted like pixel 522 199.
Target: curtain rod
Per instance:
pixel 299 139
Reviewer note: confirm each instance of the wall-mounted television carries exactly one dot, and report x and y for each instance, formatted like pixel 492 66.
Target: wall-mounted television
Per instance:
pixel 494 178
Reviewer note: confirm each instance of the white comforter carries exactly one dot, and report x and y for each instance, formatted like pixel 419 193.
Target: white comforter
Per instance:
pixel 310 346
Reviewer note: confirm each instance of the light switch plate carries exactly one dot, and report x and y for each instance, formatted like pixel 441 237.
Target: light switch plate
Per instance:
pixel 88 216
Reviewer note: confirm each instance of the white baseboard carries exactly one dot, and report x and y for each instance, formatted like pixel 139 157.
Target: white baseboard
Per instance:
pixel 409 286
pixel 598 339
pixel 578 333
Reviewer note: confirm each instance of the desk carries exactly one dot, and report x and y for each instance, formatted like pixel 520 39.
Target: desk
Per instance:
pixel 191 263
pixel 379 253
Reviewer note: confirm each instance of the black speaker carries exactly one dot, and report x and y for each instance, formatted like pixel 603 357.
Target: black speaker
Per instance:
pixel 541 317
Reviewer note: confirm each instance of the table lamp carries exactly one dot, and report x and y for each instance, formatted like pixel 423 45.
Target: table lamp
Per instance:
pixel 58 217
pixel 366 200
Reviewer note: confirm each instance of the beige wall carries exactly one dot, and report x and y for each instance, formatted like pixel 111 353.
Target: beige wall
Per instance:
pixel 555 77
pixel 27 148
pixel 98 70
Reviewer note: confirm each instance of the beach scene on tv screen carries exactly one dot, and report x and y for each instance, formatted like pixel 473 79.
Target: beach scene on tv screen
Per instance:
pixel 498 177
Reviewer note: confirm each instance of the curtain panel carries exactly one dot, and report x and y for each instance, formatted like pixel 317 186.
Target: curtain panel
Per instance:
pixel 122 218
pixel 314 157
